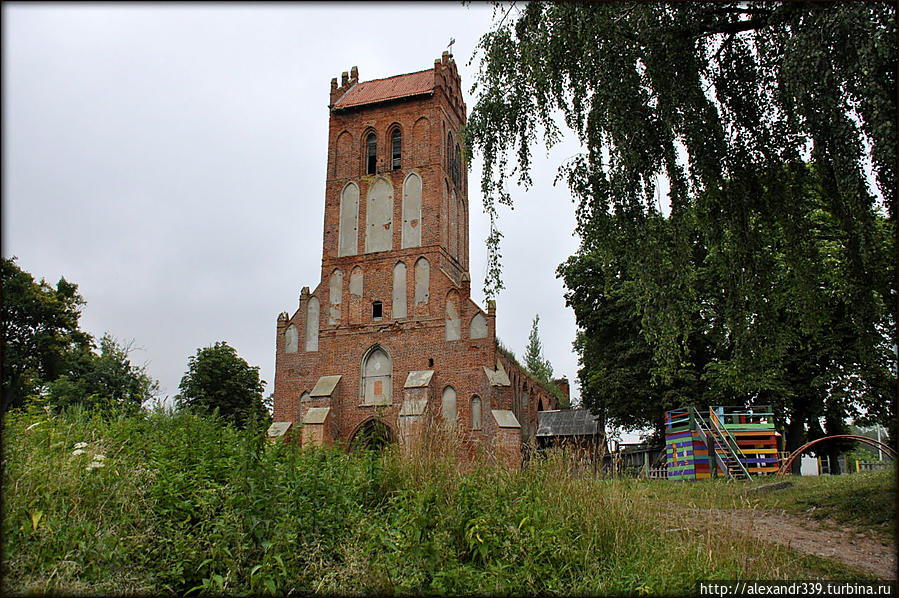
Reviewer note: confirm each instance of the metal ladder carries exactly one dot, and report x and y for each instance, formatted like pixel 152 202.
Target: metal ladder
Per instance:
pixel 727 454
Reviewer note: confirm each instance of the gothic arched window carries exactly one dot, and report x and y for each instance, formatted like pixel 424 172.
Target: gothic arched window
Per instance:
pixel 371 154
pixel 377 376
pixel 396 149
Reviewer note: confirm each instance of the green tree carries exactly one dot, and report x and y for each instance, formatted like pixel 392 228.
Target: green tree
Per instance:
pixel 218 379
pixel 540 367
pixel 725 101
pixel 618 373
pixel 40 332
pixel 534 361
pixel 823 370
pixel 107 379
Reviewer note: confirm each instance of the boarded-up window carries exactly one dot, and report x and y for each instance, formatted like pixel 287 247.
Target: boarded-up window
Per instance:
pixel 475 413
pixel 461 228
pixel 478 327
pixel 399 291
pixel 421 141
pixel 453 226
pixel 291 339
pixel 376 377
pixel 448 152
pixel 344 159
pixel 348 241
pixel 453 322
pixel 335 294
pixel 312 314
pixel 412 211
pixel 448 406
pixel 379 217
pixel 422 286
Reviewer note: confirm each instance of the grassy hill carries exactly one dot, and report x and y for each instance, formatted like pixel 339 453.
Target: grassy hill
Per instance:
pixel 158 504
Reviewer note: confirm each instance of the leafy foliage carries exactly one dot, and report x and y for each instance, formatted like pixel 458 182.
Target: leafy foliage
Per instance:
pixel 107 379
pixel 725 102
pixel 40 330
pixel 217 378
pixel 827 367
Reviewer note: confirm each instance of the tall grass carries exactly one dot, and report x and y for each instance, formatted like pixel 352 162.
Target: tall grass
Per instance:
pixel 185 504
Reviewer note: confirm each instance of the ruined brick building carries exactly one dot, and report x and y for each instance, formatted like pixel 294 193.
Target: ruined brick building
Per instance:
pixel 390 336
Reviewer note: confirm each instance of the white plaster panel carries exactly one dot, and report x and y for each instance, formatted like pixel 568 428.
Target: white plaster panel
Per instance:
pixel 478 327
pixel 291 339
pixel 475 413
pixel 422 286
pixel 312 315
pixel 453 322
pixel 379 217
pixel 356 282
pixel 335 294
pixel 399 291
pixel 448 405
pixel 348 240
pixel 412 211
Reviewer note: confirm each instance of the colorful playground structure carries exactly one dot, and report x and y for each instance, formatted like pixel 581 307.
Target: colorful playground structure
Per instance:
pixel 736 442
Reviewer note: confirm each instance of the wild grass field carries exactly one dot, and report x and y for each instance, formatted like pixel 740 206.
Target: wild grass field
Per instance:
pixel 180 504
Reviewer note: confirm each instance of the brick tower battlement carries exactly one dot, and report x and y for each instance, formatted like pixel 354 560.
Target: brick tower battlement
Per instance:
pixel 390 336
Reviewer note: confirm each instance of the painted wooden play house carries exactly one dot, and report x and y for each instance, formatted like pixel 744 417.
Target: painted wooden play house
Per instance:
pixel 736 442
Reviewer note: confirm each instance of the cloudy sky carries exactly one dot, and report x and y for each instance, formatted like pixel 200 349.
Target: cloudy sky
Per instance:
pixel 170 160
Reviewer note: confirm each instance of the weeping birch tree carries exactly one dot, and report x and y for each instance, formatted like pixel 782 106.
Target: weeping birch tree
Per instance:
pixel 718 117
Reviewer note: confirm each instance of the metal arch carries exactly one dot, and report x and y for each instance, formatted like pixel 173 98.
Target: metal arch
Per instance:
pixel 864 439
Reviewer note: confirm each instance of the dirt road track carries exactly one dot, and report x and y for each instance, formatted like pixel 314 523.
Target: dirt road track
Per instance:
pixel 859 550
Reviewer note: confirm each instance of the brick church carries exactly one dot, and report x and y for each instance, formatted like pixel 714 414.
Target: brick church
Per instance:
pixel 390 339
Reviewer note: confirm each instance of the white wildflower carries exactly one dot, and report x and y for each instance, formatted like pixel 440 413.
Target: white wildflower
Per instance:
pixel 79 451
pixel 99 457
pixel 80 445
pixel 94 465
pixel 34 425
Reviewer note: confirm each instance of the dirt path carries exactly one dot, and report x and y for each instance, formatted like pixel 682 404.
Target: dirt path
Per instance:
pixel 859 550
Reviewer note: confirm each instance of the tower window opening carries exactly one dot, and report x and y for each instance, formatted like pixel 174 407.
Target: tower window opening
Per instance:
pixel 396 149
pixel 371 154
pixel 376 310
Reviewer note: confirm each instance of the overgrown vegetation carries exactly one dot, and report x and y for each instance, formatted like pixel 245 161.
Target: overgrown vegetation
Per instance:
pixel 161 503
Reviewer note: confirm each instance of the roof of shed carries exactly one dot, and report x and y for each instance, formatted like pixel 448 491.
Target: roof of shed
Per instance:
pixel 391 88
pixel 567 422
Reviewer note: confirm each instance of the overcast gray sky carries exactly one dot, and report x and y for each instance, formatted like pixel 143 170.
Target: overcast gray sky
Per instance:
pixel 170 160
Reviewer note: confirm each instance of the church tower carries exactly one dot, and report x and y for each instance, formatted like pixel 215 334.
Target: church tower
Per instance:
pixel 390 337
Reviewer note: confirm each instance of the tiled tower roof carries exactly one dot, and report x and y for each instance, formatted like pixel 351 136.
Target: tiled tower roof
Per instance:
pixel 391 88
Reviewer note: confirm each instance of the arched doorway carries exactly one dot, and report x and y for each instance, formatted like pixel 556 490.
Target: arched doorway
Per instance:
pixel 373 434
